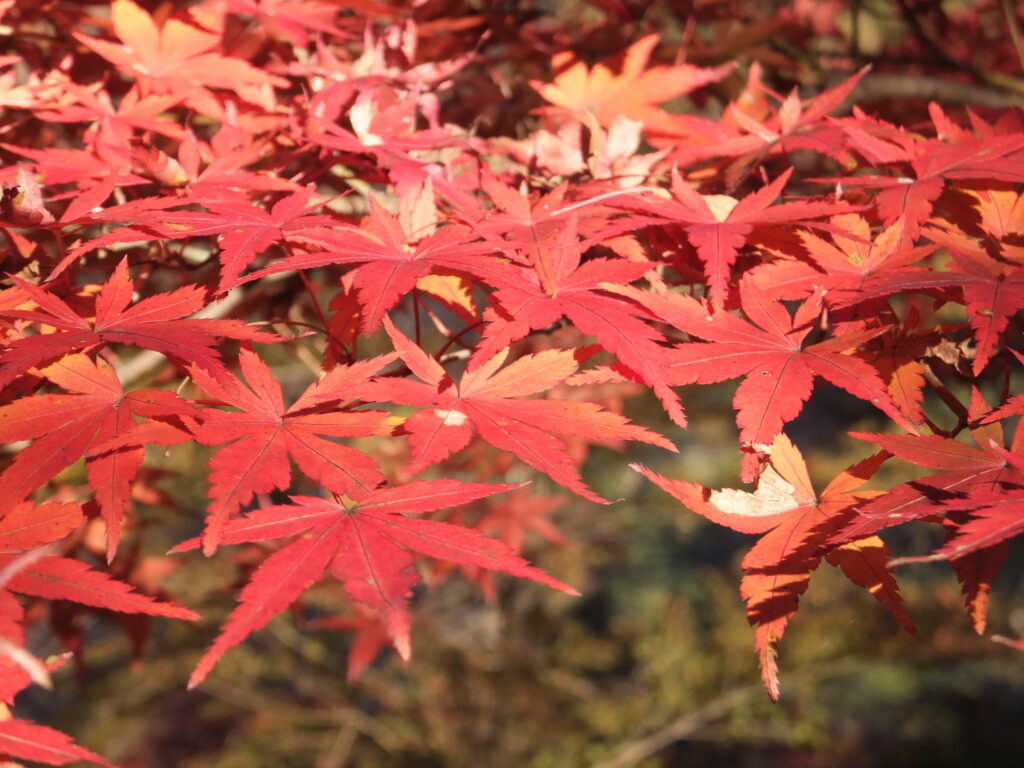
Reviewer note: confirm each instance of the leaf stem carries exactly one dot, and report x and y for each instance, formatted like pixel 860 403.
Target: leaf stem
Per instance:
pixel 947 397
pixel 456 337
pixel 600 198
pixel 416 313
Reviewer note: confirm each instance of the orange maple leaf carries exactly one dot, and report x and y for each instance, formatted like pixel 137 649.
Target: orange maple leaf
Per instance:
pixel 636 91
pixel 176 58
pixel 796 523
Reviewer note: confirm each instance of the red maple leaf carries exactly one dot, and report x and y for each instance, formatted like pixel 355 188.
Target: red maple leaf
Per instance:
pixel 115 124
pixel 522 511
pixel 154 323
pixel 1014 406
pixel 215 186
pixel 992 290
pixel 391 261
pixel 486 399
pixel 26 527
pixel 209 171
pixel 262 433
pixel 367 545
pixel 769 350
pixel 973 476
pixel 176 58
pixel 967 469
pixel 794 125
pixel 719 225
pixel 24 740
pixel 1002 219
pixel 635 92
pixel 560 284
pixel 932 163
pixel 995 518
pixel 841 264
pixel 27 741
pixel 95 171
pixel 797 524
pixel 370 636
pixel 295 19
pixel 520 223
pixel 96 420
pixel 245 230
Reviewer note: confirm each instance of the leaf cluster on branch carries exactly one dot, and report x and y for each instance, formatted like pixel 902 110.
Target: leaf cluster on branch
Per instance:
pixel 471 307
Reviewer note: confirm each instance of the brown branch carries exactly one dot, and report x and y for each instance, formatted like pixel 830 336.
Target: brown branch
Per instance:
pixel 631 753
pixel 1013 25
pixel 926 36
pixel 951 401
pixel 883 87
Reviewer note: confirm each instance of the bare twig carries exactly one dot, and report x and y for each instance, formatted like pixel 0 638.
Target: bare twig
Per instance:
pixel 951 401
pixel 147 361
pixel 633 752
pixel 251 700
pixel 927 37
pixel 34 668
pixel 337 755
pixel 21 562
pixel 1013 25
pixel 1002 640
pixel 883 87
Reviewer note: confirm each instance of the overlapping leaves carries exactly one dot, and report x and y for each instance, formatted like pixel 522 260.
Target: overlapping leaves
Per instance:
pixel 229 139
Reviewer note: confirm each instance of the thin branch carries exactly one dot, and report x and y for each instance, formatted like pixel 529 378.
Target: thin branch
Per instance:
pixel 147 361
pixel 884 87
pixel 33 667
pixel 337 755
pixel 23 561
pixel 1013 25
pixel 926 36
pixel 252 700
pixel 634 752
pixel 951 401
pixel 416 313
pixel 454 338
pixel 312 295
pixel 631 753
pixel 602 198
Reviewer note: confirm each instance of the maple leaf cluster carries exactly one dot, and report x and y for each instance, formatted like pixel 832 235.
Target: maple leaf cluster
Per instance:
pixel 195 195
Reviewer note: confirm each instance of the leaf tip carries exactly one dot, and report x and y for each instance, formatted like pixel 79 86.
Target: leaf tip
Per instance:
pixel 403 647
pixel 195 680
